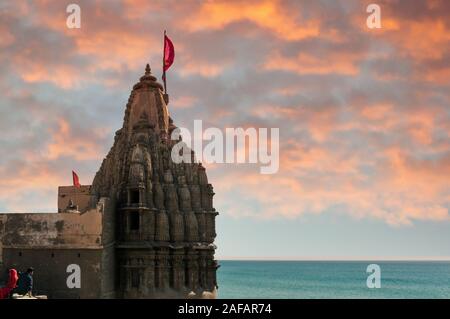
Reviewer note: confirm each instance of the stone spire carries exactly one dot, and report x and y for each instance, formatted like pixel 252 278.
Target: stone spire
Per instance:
pixel 147 103
pixel 163 211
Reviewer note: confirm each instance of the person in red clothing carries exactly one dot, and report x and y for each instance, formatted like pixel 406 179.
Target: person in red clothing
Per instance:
pixel 12 282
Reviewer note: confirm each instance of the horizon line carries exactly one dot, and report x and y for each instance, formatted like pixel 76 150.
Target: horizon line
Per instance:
pixel 361 258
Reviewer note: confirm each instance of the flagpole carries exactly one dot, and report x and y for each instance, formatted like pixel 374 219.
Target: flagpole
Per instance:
pixel 164 59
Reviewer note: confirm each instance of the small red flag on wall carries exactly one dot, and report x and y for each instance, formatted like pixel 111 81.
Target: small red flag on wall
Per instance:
pixel 76 180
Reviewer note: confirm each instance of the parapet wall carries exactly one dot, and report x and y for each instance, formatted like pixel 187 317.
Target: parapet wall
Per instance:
pixel 43 230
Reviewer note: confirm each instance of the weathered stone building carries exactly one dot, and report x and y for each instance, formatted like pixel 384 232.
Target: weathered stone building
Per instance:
pixel 144 229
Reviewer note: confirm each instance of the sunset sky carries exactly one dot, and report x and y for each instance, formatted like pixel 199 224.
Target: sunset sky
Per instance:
pixel 364 114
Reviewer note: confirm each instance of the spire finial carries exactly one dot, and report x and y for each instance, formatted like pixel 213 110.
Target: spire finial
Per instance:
pixel 147 69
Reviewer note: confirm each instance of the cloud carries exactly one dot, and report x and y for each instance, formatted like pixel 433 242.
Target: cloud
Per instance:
pixel 316 181
pixel 311 64
pixel 185 101
pixel 270 15
pixel 363 114
pixel 67 143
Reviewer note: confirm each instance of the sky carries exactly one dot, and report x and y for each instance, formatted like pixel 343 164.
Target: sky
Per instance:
pixel 364 114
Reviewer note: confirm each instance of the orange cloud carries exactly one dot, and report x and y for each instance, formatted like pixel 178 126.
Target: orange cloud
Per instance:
pixel 137 9
pixel 36 178
pixel 433 34
pixel 67 143
pixel 6 38
pixel 110 53
pixel 310 64
pixel 418 39
pixel 376 112
pixel 204 69
pixel 183 102
pixel 64 76
pixel 269 15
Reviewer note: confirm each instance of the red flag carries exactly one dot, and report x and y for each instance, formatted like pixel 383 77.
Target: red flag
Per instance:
pixel 76 180
pixel 169 53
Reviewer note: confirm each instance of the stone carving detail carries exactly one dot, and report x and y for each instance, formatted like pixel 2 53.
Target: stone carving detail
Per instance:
pixel 159 195
pixel 178 270
pixel 191 227
pixel 171 197
pixel 176 227
pixel 184 195
pixel 137 167
pixel 196 197
pixel 150 225
pixel 162 226
pixel 201 220
pixel 202 178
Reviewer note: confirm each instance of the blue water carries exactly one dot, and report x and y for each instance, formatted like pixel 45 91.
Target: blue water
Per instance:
pixel 330 279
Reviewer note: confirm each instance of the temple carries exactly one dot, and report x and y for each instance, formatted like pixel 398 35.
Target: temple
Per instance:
pixel 145 228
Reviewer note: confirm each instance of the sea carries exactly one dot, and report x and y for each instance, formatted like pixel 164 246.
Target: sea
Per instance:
pixel 332 279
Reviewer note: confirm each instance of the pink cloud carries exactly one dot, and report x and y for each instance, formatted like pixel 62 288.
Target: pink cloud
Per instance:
pixel 67 143
pixel 312 64
pixel 183 102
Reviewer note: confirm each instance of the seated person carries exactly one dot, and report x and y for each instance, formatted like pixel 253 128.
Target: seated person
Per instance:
pixel 25 283
pixel 12 281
